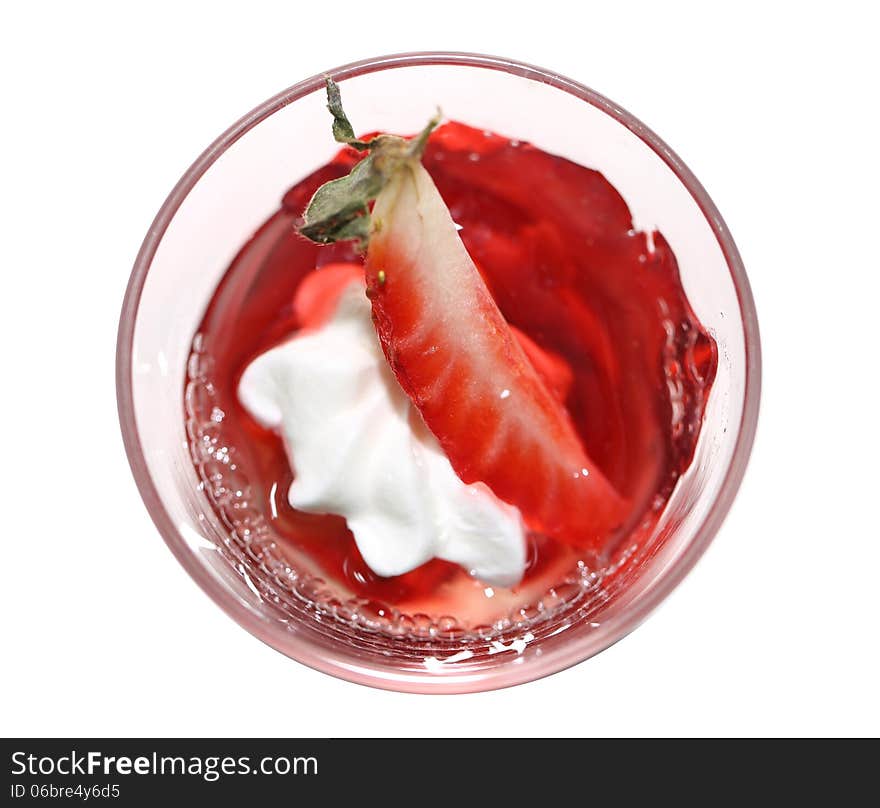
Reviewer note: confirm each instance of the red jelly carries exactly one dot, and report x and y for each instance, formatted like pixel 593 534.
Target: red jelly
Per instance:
pixel 556 245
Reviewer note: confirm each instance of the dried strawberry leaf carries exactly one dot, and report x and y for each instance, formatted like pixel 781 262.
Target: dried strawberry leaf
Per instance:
pixel 338 210
pixel 343 131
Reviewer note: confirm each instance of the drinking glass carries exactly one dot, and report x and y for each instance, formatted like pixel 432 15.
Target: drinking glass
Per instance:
pixel 238 182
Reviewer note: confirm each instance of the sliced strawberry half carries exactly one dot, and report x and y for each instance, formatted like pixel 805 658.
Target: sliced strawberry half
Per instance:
pixel 451 349
pixel 457 359
pixel 318 294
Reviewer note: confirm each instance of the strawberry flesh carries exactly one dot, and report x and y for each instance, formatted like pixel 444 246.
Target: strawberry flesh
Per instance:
pixel 460 363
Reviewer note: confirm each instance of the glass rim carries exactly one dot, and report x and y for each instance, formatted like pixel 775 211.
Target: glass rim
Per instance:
pixel 387 677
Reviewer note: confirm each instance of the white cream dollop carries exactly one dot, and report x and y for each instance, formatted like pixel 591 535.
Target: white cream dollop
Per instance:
pixel 361 450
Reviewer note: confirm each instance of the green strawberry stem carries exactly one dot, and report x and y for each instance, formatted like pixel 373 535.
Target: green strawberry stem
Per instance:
pixel 339 210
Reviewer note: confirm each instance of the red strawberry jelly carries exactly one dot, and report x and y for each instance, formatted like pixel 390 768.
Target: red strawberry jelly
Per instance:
pixel 556 245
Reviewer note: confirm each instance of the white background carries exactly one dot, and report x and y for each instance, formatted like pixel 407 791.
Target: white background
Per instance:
pixel 774 108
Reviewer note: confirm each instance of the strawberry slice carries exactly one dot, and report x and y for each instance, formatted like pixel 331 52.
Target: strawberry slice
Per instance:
pixel 451 349
pixel 318 294
pixel 457 359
